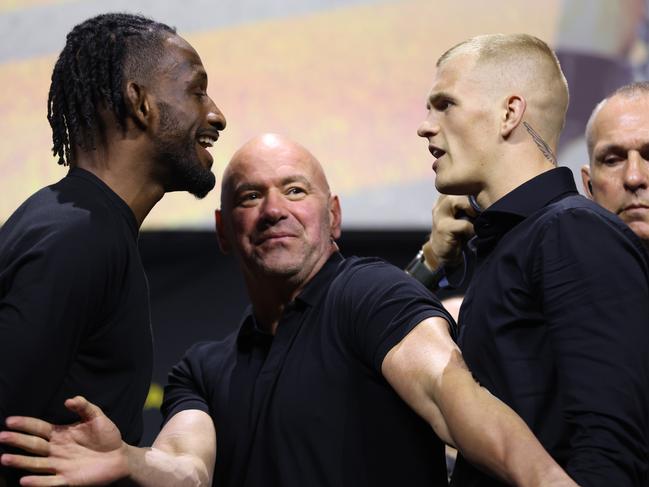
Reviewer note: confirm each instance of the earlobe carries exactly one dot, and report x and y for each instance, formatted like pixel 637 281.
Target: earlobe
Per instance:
pixel 224 245
pixel 335 215
pixel 515 106
pixel 138 104
pixel 586 180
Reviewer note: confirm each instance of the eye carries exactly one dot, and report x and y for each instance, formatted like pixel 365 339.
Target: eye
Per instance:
pixel 611 159
pixel 442 104
pixel 295 192
pixel 248 198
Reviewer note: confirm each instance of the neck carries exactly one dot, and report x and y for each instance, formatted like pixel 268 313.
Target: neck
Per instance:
pixel 124 173
pixel 269 298
pixel 270 294
pixel 508 173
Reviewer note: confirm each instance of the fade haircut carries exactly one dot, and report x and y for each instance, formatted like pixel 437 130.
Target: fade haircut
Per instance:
pixel 527 61
pixel 100 54
pixel 630 90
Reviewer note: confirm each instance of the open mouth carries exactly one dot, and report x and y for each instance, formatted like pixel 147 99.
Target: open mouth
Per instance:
pixel 208 141
pixel 436 151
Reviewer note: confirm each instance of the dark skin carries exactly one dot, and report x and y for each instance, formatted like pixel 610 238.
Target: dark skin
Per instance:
pixel 126 160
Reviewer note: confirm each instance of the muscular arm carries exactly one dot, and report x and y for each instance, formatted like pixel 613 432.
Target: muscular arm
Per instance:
pixel 91 452
pixel 427 371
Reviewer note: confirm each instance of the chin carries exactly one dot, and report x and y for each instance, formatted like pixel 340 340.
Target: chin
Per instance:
pixel 641 229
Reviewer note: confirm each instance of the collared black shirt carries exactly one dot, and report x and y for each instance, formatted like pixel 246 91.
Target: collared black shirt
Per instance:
pixel 309 406
pixel 556 324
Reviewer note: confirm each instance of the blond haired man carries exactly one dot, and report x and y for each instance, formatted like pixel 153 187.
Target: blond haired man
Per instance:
pixel 554 322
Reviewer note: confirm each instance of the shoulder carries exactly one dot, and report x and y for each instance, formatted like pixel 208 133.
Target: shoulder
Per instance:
pixel 52 220
pixel 582 220
pixel 370 270
pixel 208 357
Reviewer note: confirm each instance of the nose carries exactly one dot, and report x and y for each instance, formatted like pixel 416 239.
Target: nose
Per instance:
pixel 215 117
pixel 636 173
pixel 273 208
pixel 429 127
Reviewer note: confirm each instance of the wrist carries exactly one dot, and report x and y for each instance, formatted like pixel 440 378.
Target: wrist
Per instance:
pixel 422 271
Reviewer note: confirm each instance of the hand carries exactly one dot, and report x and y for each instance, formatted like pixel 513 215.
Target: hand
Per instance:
pixel 449 232
pixel 89 452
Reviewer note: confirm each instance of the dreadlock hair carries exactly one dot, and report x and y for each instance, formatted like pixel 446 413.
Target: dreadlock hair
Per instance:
pixel 89 76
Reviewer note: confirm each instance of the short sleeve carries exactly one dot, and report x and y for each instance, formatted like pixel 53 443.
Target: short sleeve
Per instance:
pixel 185 387
pixel 380 305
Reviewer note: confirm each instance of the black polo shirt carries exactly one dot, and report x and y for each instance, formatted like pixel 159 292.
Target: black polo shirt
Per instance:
pixel 309 406
pixel 556 324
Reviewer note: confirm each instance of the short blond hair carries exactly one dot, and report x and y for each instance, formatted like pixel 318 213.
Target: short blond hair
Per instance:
pixel 528 62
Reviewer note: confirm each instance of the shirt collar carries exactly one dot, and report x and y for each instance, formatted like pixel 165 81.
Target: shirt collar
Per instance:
pixel 318 285
pixel 116 200
pixel 251 335
pixel 522 202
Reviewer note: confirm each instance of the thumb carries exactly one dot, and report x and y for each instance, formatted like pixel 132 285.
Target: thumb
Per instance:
pixel 84 408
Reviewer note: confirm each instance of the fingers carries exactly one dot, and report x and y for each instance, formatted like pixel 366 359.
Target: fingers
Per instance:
pixel 43 481
pixel 449 206
pixel 84 408
pixel 32 426
pixel 28 443
pixel 32 464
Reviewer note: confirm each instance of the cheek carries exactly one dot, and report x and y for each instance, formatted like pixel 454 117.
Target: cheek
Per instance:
pixel 608 190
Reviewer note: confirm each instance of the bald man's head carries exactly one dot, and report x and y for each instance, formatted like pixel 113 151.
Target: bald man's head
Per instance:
pixel 277 212
pixel 271 148
pixel 618 148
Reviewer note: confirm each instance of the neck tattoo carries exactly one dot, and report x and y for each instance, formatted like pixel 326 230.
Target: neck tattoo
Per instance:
pixel 541 144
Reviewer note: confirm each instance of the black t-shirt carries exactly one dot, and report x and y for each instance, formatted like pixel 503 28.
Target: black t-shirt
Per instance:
pixel 74 306
pixel 556 324
pixel 309 406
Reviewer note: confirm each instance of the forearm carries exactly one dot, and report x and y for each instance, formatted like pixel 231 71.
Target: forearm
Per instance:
pixel 152 467
pixel 488 433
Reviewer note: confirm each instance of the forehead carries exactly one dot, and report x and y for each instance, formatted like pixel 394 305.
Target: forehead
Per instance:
pixel 457 74
pixel 180 59
pixel 623 120
pixel 266 167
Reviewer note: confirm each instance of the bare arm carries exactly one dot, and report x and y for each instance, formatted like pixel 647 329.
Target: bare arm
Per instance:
pixel 427 370
pixel 91 452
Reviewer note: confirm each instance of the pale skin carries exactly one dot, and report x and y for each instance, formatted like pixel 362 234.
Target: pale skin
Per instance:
pixel 278 210
pixel 617 177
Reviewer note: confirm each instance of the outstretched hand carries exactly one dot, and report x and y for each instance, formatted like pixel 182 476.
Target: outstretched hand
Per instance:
pixel 449 231
pixel 89 452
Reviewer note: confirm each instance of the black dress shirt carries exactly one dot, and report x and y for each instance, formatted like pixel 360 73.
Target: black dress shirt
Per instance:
pixel 556 324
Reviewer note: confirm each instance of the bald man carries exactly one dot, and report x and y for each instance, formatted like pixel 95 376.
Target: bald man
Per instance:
pixel 617 135
pixel 554 322
pixel 335 377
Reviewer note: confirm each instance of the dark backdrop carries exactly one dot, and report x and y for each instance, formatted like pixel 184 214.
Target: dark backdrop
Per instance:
pixel 198 294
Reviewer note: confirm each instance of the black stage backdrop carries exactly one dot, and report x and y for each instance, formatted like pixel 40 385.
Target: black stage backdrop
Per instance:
pixel 197 293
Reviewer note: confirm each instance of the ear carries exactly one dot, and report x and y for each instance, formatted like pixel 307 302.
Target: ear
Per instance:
pixel 335 217
pixel 586 180
pixel 138 104
pixel 224 244
pixel 514 107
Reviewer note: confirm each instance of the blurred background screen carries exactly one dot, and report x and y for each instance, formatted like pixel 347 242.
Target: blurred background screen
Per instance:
pixel 346 78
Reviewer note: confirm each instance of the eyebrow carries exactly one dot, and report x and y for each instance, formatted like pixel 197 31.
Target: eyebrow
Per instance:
pixel 617 148
pixel 283 182
pixel 437 97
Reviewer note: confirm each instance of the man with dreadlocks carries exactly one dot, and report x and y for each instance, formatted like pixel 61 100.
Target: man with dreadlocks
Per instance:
pixel 130 116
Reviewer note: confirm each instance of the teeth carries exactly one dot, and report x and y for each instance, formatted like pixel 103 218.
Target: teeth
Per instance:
pixel 206 141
